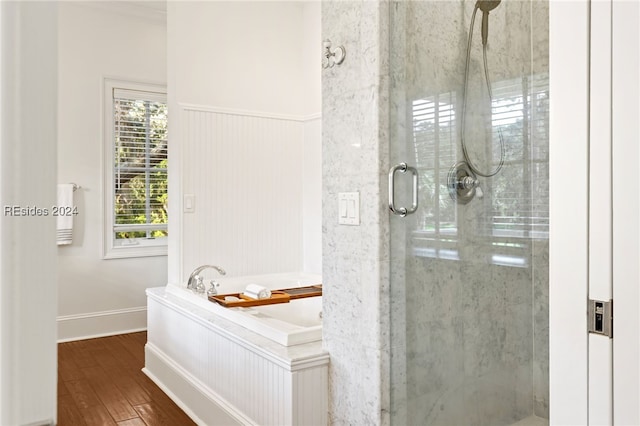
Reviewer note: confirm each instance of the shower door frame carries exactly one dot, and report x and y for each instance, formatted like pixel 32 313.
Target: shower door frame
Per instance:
pixel 593 209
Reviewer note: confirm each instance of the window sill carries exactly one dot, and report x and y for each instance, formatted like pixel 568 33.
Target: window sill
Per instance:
pixel 124 252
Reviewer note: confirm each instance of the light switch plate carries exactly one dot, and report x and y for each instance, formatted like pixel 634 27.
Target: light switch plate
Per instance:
pixel 349 208
pixel 189 203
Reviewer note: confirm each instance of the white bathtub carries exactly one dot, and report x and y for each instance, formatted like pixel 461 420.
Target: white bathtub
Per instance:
pixel 293 323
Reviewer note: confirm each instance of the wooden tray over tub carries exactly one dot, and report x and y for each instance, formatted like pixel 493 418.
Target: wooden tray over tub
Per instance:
pixel 277 296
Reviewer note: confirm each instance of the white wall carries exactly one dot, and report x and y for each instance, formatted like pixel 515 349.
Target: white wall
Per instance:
pixel 240 55
pixel 99 296
pixel 246 98
pixel 312 161
pixel 311 52
pixel 311 202
pixel 27 243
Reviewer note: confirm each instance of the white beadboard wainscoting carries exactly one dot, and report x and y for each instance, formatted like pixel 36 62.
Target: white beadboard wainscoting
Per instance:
pixel 220 373
pixel 250 180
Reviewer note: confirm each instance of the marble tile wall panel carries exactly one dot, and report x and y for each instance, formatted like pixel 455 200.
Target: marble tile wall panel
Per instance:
pixel 541 329
pixel 469 334
pixel 355 258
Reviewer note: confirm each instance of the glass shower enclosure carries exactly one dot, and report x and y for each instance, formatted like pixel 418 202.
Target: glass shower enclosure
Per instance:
pixel 469 268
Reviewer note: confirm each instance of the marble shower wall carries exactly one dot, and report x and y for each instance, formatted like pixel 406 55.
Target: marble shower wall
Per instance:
pixel 470 334
pixel 355 258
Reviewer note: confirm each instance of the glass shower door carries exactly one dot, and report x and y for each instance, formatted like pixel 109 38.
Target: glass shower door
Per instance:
pixel 469 268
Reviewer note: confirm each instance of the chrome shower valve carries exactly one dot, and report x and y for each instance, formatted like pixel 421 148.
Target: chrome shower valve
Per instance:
pixel 462 183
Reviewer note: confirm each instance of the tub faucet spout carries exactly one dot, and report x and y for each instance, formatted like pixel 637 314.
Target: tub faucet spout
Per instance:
pixel 195 280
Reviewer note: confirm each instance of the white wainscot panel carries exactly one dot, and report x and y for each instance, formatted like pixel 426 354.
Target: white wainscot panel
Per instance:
pixel 245 172
pixel 220 373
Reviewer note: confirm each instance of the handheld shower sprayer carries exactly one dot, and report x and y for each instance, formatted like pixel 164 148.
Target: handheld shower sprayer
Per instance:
pixel 462 181
pixel 485 6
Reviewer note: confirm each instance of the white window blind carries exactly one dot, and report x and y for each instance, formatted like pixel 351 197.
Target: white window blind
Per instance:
pixel 434 143
pixel 520 202
pixel 139 166
pixel 517 197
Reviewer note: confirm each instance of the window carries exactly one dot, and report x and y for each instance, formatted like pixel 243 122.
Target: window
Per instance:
pixel 135 170
pixel 520 206
pixel 434 145
pixel 516 198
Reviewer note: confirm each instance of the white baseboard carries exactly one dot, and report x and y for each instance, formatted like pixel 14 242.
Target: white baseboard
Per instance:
pixel 195 399
pixel 101 324
pixel 42 423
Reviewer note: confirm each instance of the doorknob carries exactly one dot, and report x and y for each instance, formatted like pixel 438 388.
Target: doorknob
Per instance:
pixel 402 168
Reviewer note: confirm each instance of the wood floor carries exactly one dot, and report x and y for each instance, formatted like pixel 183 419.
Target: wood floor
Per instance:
pixel 100 383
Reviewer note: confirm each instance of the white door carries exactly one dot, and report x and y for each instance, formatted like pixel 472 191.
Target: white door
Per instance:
pixel 594 210
pixel 626 211
pixel 568 211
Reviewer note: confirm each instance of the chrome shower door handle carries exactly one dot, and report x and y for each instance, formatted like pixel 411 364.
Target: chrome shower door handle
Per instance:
pixel 402 168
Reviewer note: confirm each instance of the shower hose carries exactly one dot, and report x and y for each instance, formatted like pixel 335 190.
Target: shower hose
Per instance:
pixel 464 104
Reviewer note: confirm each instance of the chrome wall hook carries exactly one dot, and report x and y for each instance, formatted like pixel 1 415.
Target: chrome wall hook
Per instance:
pixel 331 57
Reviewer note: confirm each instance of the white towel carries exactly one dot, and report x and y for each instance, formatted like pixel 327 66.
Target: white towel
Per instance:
pixel 65 221
pixel 256 291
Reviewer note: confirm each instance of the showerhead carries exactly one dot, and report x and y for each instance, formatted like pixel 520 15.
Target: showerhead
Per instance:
pixel 485 6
